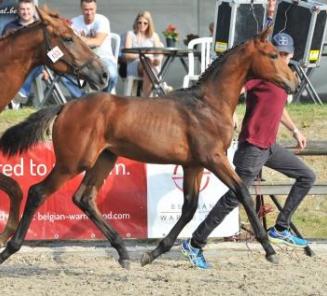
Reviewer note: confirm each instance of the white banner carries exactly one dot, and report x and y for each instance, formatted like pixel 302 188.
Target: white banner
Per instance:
pixel 165 201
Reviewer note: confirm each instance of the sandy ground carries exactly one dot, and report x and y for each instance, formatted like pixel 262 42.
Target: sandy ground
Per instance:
pixel 92 269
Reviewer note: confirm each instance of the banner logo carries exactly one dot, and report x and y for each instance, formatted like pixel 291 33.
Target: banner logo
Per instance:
pixel 178 178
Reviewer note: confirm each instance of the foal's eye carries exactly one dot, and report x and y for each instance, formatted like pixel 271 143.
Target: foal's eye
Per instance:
pixel 274 56
pixel 68 39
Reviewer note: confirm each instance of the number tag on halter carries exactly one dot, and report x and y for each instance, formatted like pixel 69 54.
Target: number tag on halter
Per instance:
pixel 55 54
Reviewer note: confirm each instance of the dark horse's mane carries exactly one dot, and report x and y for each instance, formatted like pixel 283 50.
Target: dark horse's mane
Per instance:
pixel 192 94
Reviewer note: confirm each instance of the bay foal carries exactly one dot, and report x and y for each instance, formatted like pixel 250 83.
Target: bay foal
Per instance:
pixel 191 127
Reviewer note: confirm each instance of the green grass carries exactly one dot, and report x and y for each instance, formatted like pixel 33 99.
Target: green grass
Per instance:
pixel 11 117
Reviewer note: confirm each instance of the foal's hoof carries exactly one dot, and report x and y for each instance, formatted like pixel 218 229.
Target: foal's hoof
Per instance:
pixel 272 258
pixel 146 259
pixel 124 263
pixel 309 252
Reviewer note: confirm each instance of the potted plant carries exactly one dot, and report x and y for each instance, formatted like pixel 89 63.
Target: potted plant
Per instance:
pixel 171 35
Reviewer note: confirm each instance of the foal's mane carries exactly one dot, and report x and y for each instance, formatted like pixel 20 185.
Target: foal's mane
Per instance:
pixel 192 94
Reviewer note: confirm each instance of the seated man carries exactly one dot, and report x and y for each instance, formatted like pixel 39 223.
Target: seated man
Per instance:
pixel 94 30
pixel 25 12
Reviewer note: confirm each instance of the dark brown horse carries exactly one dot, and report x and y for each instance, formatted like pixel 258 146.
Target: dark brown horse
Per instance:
pixel 20 53
pixel 191 127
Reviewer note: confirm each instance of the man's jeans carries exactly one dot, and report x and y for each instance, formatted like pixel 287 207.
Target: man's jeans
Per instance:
pixel 27 86
pixel 76 91
pixel 248 161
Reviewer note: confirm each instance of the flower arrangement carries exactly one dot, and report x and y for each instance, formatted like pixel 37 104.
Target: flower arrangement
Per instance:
pixel 170 32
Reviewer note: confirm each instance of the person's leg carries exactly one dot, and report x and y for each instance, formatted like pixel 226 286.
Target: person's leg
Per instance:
pixel 248 160
pixel 22 96
pixel 292 166
pixel 27 86
pixel 113 74
pixel 147 84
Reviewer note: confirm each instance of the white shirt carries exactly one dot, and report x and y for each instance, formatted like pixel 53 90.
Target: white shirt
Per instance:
pixel 100 24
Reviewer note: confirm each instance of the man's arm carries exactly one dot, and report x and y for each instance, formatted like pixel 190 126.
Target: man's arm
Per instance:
pixel 290 125
pixel 96 40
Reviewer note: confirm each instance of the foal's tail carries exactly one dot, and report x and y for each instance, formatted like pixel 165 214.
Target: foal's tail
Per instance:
pixel 22 136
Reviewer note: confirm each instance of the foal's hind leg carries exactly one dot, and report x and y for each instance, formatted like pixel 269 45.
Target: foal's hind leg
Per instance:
pixel 15 194
pixel 85 199
pixel 37 194
pixel 220 166
pixel 191 187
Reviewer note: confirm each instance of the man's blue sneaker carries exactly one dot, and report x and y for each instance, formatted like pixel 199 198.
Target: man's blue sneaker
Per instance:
pixel 195 255
pixel 286 237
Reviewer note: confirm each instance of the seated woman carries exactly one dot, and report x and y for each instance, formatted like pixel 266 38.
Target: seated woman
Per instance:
pixel 143 35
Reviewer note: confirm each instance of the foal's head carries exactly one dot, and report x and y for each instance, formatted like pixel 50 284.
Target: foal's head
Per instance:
pixel 77 57
pixel 268 65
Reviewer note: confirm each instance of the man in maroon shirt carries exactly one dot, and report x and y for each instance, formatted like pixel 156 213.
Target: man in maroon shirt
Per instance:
pixel 265 109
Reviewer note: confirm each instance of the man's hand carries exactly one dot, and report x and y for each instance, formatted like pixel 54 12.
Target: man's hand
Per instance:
pixel 45 75
pixel 301 140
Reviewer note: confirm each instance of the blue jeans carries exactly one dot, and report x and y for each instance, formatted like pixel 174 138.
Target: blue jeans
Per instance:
pixel 27 86
pixel 76 91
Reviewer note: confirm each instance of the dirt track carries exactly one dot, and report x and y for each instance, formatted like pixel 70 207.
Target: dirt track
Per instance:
pixel 93 270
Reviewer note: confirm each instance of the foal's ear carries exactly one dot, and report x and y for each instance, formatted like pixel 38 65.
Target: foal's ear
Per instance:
pixel 42 13
pixel 263 36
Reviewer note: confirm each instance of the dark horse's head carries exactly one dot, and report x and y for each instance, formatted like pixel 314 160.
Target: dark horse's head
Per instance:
pixel 267 63
pixel 78 59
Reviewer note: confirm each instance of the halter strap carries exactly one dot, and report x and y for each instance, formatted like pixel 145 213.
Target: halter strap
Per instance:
pixel 76 69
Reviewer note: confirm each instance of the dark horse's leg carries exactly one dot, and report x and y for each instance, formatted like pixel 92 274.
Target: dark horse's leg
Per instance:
pixel 191 187
pixel 15 194
pixel 37 194
pixel 220 166
pixel 85 199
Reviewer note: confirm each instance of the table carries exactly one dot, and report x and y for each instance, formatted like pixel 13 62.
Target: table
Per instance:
pixel 169 53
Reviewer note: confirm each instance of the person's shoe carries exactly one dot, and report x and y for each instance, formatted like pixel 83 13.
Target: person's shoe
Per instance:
pixel 286 237
pixel 13 105
pixel 167 88
pixel 195 255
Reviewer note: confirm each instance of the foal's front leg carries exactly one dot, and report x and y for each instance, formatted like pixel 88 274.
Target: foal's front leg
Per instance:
pixel 191 188
pixel 37 194
pixel 85 199
pixel 220 166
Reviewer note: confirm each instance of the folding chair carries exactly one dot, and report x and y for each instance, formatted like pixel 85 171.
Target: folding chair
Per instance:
pixel 115 45
pixel 205 44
